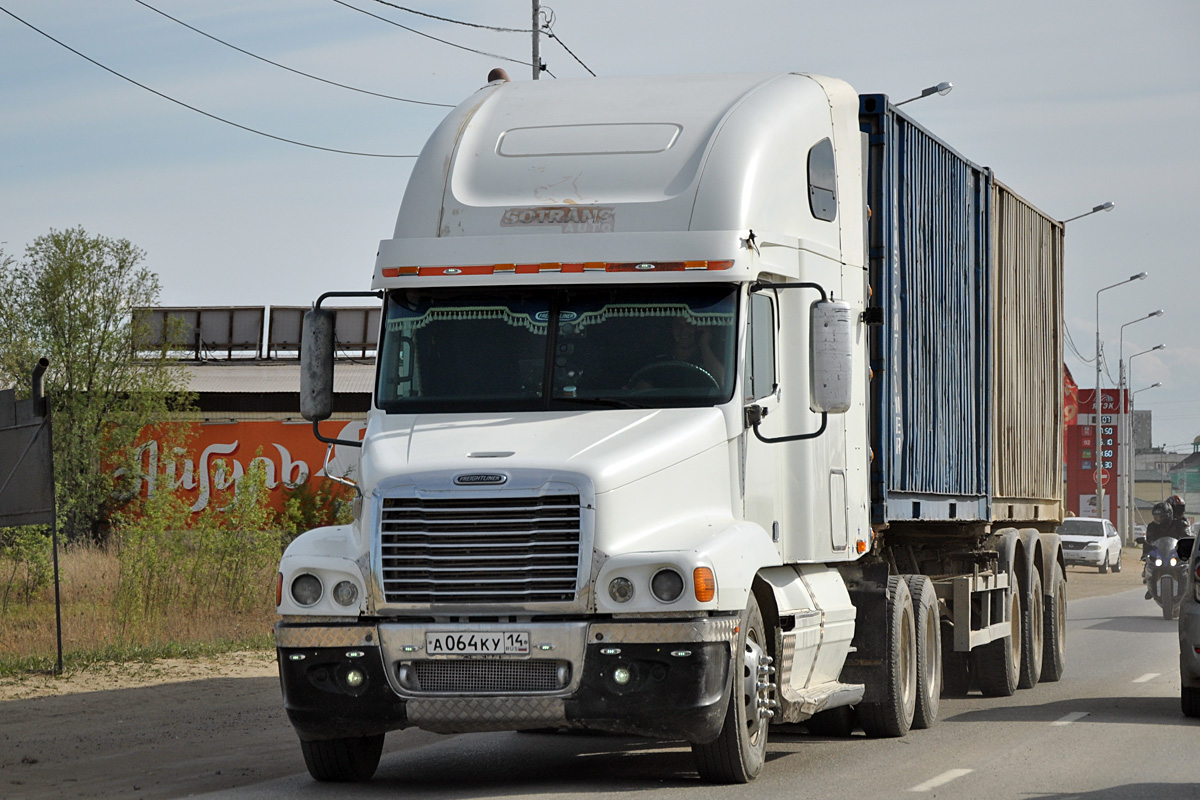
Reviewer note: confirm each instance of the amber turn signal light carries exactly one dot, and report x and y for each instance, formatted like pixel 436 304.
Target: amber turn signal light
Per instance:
pixel 705 584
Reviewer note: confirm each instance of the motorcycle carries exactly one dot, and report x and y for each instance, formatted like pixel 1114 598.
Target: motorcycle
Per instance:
pixel 1165 576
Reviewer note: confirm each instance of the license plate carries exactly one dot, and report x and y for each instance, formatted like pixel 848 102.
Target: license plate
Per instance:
pixel 477 643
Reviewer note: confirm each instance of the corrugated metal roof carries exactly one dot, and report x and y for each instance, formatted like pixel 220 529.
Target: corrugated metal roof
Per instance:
pixel 266 377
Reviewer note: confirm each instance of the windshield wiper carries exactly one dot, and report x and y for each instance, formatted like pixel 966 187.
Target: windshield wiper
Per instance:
pixel 599 402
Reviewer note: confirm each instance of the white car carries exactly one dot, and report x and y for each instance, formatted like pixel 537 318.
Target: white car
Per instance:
pixel 1091 542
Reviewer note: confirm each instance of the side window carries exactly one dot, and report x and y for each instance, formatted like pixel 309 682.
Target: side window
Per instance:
pixel 822 181
pixel 760 348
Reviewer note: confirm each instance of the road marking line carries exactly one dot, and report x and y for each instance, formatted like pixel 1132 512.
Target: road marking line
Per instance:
pixel 1069 718
pixel 1149 676
pixel 940 780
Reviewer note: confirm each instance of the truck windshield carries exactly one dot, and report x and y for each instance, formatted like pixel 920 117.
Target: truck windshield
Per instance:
pixel 525 349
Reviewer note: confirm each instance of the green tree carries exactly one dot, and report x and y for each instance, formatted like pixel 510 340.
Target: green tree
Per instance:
pixel 71 300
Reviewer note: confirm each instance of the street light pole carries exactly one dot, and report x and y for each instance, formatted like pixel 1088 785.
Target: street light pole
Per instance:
pixel 1125 437
pixel 1130 510
pixel 1097 404
pixel 1128 481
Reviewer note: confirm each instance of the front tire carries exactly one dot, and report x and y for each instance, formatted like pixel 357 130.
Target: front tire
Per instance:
pixel 1189 701
pixel 351 760
pixel 738 752
pixel 893 716
pixel 1117 566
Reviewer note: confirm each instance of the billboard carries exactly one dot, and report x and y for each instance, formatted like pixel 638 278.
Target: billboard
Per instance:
pixel 216 457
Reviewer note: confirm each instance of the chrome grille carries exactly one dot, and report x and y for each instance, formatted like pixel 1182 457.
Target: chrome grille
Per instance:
pixel 480 550
pixel 465 676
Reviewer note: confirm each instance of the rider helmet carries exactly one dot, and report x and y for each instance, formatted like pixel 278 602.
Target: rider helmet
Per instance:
pixel 1163 513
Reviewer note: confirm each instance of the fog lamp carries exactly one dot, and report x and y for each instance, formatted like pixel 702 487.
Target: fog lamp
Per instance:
pixel 345 593
pixel 306 589
pixel 620 590
pixel 355 678
pixel 621 676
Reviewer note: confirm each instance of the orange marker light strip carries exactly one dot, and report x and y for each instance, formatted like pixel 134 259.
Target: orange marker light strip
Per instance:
pixel 278 589
pixel 533 269
pixel 704 583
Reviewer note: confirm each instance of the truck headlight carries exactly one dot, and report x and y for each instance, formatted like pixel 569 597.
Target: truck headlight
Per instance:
pixel 620 590
pixel 666 585
pixel 306 589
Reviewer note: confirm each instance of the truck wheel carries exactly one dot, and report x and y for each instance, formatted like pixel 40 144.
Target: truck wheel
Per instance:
pixel 1032 620
pixel 836 723
pixel 997 664
pixel 1189 700
pixel 956 676
pixel 927 619
pixel 894 715
pixel 738 752
pixel 1054 629
pixel 343 760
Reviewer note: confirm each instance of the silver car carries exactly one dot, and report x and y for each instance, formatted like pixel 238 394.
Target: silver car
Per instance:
pixel 1091 542
pixel 1189 633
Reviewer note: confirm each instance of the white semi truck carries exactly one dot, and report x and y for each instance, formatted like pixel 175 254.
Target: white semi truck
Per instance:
pixel 703 404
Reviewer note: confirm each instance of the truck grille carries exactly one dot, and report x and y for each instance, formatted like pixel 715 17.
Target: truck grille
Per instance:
pixel 477 677
pixel 485 550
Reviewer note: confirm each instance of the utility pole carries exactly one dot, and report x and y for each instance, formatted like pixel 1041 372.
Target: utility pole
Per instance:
pixel 537 56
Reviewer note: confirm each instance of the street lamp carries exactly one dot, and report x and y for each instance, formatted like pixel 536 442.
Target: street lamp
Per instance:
pixel 1128 484
pixel 1096 397
pixel 942 89
pixel 1130 510
pixel 1107 206
pixel 1125 438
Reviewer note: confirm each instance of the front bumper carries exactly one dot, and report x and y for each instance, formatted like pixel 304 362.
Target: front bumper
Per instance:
pixel 1086 558
pixel 663 679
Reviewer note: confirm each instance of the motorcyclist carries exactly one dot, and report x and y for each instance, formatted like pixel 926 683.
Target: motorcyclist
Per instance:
pixel 1162 525
pixel 1179 522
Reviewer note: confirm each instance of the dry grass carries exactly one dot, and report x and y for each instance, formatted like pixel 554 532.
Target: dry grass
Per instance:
pixel 92 630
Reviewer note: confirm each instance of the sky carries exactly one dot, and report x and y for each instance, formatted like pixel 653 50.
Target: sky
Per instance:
pixel 1072 103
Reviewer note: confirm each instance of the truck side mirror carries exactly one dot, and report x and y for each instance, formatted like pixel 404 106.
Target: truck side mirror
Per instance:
pixel 1183 548
pixel 831 335
pixel 316 365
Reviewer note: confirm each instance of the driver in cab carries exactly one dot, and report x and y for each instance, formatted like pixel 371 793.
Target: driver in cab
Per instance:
pixel 689 360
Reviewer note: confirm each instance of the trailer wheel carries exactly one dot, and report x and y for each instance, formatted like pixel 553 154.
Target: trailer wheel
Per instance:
pixel 1054 629
pixel 1189 701
pixel 738 752
pixel 893 716
pixel 928 626
pixel 1032 620
pixel 997 664
pixel 343 760
pixel 956 675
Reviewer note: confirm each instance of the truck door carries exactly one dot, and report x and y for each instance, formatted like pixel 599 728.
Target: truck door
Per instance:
pixel 760 462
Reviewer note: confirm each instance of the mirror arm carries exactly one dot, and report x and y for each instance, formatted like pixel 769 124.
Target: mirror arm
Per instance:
pixel 762 287
pixel 797 438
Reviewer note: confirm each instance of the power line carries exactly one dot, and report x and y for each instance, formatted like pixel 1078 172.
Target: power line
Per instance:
pixel 454 21
pixel 193 108
pixel 434 38
pixel 548 26
pixel 283 66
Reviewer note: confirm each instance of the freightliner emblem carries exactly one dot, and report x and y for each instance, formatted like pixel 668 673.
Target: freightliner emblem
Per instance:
pixel 487 478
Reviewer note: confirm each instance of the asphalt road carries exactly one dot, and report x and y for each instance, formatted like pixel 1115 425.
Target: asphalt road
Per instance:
pixel 1111 728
